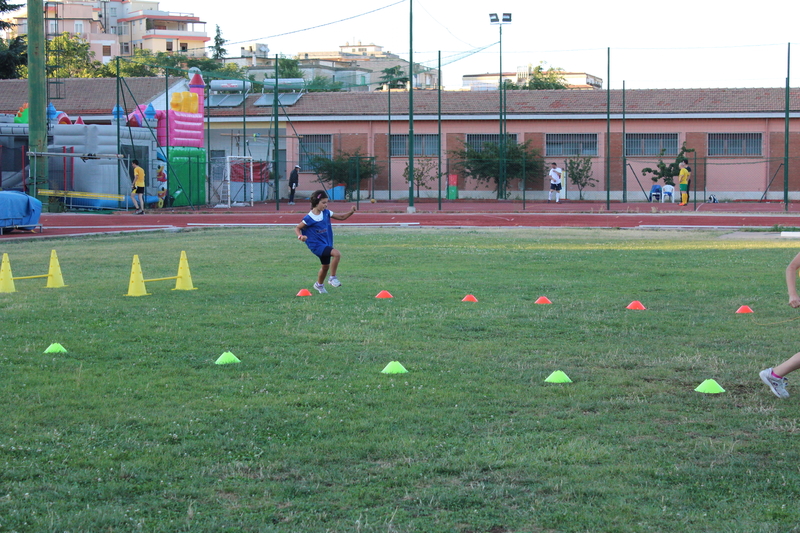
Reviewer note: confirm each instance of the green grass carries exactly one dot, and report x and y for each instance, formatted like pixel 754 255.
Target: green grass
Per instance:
pixel 136 428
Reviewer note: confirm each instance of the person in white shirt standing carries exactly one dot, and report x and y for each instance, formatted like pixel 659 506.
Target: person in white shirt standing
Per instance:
pixel 555 182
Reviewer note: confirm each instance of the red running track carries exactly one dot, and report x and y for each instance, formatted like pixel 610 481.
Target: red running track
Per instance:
pixel 472 214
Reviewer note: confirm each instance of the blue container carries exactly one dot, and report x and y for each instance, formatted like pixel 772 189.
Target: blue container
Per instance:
pixel 336 193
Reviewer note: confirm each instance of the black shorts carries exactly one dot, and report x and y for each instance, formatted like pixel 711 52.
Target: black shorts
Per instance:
pixel 137 190
pixel 555 186
pixel 325 256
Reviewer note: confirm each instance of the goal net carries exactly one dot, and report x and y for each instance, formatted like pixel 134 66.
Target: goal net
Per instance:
pixel 234 185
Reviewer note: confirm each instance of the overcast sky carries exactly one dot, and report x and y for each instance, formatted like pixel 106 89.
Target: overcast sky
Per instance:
pixel 653 44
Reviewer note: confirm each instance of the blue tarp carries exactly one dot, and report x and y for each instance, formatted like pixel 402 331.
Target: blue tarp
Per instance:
pixel 18 209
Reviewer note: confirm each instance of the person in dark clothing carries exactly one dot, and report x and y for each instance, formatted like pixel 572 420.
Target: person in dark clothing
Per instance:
pixel 293 183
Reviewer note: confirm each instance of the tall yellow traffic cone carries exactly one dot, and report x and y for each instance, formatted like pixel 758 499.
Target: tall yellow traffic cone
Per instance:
pixel 54 278
pixel 136 286
pixel 184 281
pixel 6 277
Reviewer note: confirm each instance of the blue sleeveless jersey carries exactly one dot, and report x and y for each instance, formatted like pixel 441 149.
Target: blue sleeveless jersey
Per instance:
pixel 319 233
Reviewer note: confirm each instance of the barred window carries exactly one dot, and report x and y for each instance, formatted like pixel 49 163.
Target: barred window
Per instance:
pixel 734 144
pixel 651 144
pixel 570 144
pixel 477 140
pixel 424 145
pixel 314 145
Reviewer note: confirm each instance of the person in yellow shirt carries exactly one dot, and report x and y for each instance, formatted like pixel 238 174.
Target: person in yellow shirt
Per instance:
pixel 684 178
pixel 137 189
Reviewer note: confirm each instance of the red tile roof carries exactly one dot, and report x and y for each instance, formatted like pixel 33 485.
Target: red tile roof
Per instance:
pixel 97 96
pixel 558 102
pixel 88 96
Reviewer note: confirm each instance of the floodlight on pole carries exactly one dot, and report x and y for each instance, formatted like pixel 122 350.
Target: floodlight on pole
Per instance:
pixel 501 180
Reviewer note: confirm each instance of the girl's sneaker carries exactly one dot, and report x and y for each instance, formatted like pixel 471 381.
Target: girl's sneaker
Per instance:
pixel 320 287
pixel 334 281
pixel 776 385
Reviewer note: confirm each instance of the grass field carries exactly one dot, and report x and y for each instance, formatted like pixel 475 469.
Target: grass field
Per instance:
pixel 136 428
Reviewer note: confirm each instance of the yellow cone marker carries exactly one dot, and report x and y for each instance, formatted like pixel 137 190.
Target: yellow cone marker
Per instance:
pixel 184 281
pixel 54 278
pixel 136 285
pixel 6 277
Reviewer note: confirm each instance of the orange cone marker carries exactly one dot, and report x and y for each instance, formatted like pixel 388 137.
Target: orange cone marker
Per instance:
pixel 744 309
pixel 542 300
pixel 304 292
pixel 384 294
pixel 469 298
pixel 636 305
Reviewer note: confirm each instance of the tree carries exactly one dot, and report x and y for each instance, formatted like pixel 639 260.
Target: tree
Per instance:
pixel 521 161
pixel 541 78
pixel 579 172
pixel 218 51
pixel 287 68
pixel 667 171
pixel 5 7
pixel 68 56
pixel 393 77
pixel 425 170
pixel 341 169
pixel 13 56
pixel 321 84
pixel 145 64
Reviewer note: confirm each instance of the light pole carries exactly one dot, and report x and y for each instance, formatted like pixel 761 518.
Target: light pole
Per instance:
pixel 501 179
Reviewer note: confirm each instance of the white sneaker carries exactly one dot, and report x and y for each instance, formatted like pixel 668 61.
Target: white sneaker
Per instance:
pixel 776 385
pixel 333 281
pixel 320 288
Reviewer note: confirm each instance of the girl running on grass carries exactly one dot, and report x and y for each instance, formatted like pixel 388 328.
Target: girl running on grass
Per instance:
pixel 315 230
pixel 775 377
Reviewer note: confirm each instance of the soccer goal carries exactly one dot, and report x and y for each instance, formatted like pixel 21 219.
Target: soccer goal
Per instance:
pixel 234 187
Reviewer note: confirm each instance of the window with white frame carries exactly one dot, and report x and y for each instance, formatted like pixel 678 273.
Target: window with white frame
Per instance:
pixel 315 145
pixel 734 144
pixel 425 145
pixel 79 26
pixel 125 49
pixel 571 144
pixel 477 140
pixel 651 144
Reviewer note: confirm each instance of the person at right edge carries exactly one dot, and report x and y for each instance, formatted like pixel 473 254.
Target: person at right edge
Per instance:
pixel 775 377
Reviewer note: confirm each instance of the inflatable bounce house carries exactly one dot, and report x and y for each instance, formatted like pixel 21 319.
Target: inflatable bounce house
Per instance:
pixel 168 143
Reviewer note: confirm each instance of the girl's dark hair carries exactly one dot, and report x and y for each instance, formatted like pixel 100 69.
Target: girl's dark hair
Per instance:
pixel 316 196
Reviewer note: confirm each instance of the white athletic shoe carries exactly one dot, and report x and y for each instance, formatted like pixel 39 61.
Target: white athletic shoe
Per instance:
pixel 320 288
pixel 776 385
pixel 333 281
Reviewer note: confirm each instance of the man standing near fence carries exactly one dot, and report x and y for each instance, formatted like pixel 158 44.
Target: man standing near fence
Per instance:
pixel 137 189
pixel 293 183
pixel 555 181
pixel 684 178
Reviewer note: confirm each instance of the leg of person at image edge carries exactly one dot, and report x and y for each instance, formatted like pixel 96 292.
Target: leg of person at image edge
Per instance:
pixel 775 378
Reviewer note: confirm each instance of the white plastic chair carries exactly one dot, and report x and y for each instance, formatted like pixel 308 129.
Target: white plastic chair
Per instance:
pixel 668 190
